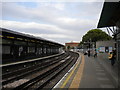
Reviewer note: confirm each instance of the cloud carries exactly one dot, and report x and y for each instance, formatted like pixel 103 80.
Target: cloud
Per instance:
pixel 56 21
pixel 59 6
pixel 33 25
pixel 50 36
pixel 51 13
pixel 56 1
pixel 42 12
pixel 36 29
pixel 67 19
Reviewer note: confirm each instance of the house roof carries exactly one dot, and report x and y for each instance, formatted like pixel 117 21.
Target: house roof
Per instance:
pixel 72 43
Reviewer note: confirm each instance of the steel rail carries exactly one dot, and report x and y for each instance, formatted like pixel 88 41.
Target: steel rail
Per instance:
pixel 29 72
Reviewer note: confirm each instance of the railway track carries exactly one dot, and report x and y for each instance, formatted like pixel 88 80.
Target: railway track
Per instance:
pixel 11 76
pixel 38 77
pixel 28 63
pixel 34 66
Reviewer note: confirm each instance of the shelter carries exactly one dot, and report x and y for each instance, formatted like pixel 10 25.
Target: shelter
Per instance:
pixel 110 18
pixel 18 46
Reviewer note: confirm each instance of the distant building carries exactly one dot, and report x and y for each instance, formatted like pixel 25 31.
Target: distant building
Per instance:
pixel 71 45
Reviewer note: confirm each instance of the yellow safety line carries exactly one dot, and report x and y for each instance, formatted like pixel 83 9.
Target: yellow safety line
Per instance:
pixel 71 73
pixel 77 79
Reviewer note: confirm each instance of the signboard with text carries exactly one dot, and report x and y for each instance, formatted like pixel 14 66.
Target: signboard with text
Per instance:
pixel 102 49
pixel 110 49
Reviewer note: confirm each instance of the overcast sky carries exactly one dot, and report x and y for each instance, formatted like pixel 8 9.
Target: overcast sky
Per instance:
pixel 57 21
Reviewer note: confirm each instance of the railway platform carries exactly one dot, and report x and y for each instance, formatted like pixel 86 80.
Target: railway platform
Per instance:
pixel 90 72
pixel 30 60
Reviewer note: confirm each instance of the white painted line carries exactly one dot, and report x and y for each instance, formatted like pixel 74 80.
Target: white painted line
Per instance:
pixel 66 74
pixel 60 81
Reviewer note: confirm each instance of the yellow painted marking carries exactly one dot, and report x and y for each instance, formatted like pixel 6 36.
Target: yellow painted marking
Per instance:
pixel 77 79
pixel 71 73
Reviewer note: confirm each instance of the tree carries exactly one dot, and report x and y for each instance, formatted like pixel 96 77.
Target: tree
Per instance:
pixel 95 35
pixel 80 45
pixel 72 47
pixel 68 47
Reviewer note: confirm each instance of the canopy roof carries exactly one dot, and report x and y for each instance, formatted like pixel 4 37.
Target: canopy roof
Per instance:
pixel 10 32
pixel 110 14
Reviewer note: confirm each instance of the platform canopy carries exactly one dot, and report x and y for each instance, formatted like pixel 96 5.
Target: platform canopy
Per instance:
pixel 110 14
pixel 18 34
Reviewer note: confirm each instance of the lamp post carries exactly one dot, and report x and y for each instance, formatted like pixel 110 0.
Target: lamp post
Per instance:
pixel 89 47
pixel 89 43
